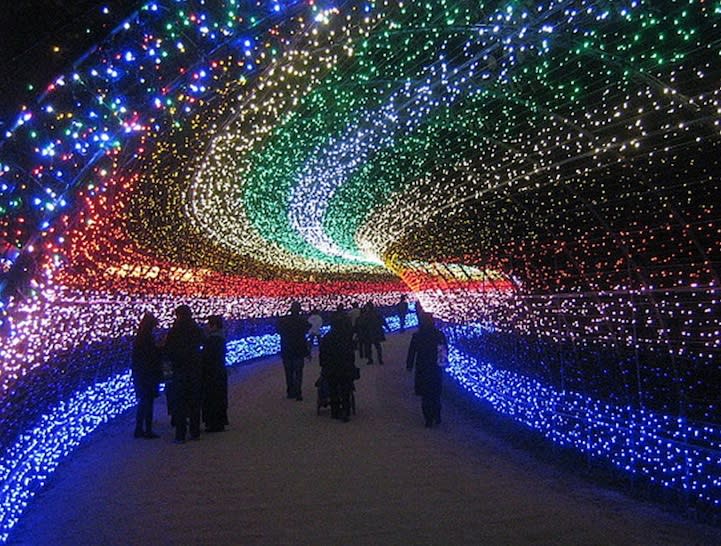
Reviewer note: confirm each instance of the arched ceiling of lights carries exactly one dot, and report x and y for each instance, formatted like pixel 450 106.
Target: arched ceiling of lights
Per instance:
pixel 315 140
pixel 545 173
pixel 234 148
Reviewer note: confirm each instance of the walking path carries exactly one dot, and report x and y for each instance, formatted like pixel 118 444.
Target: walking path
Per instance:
pixel 282 475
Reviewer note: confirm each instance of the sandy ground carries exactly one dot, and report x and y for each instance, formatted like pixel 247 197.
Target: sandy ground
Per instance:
pixel 283 475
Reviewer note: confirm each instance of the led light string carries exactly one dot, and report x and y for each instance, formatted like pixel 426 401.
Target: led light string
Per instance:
pixel 26 465
pixel 665 449
pixel 539 172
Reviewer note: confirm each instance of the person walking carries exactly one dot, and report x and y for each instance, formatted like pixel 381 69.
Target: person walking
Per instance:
pixel 215 377
pixel 293 349
pixel 370 325
pixel 337 362
pixel 426 355
pixel 183 346
pixel 147 373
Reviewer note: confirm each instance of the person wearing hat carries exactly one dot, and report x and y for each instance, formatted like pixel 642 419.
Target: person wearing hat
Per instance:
pixel 292 329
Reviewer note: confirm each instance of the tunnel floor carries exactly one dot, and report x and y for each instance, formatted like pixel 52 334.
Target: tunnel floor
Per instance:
pixel 283 475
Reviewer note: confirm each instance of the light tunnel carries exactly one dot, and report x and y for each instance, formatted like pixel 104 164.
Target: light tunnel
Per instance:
pixel 542 176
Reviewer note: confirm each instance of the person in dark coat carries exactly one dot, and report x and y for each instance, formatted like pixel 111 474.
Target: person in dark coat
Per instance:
pixel 183 346
pixel 369 327
pixel 423 354
pixel 402 309
pixel 147 373
pixel 292 329
pixel 337 362
pixel 215 377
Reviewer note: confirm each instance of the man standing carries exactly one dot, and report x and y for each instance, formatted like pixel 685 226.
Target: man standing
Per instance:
pixel 293 349
pixel 337 362
pixel 183 346
pixel 402 308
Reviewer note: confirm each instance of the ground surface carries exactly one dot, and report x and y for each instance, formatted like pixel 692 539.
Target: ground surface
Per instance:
pixel 283 475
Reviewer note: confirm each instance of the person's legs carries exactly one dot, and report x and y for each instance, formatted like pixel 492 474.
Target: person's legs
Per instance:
pixel 180 417
pixel 224 397
pixel 367 354
pixel 344 395
pixel 194 412
pixel 297 374
pixel 139 416
pixel 428 410
pixel 438 406
pixel 437 397
pixel 148 414
pixel 379 351
pixel 288 367
pixel 335 399
pixel 170 400
pixel 180 411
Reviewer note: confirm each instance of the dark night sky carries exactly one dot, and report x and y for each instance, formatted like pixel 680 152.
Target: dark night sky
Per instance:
pixel 29 29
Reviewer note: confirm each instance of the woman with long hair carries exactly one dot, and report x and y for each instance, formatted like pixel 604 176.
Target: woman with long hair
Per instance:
pixel 147 374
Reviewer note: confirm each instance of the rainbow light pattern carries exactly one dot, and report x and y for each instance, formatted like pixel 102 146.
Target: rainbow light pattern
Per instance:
pixel 541 175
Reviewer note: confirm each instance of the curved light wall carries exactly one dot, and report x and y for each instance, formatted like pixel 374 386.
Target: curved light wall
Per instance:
pixel 541 175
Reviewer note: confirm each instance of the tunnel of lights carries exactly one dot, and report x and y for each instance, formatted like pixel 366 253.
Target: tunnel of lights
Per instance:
pixel 543 176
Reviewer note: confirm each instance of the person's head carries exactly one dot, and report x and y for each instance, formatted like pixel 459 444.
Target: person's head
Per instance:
pixel 314 311
pixel 403 297
pixel 354 305
pixel 339 321
pixel 183 312
pixel 425 320
pixel 215 323
pixel 295 308
pixel 147 322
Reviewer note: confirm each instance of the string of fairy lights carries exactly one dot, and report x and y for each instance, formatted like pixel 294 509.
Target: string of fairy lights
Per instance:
pixel 27 463
pixel 538 174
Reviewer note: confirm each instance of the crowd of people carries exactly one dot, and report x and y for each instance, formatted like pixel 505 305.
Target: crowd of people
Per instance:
pixel 362 329
pixel 197 382
pixel 197 386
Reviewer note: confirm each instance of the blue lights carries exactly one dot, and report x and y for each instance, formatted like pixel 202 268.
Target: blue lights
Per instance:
pixel 578 123
pixel 669 451
pixel 26 465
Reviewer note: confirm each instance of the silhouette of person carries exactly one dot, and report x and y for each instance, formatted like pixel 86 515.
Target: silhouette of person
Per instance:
pixel 183 346
pixel 293 349
pixel 402 309
pixel 423 354
pixel 370 326
pixel 337 362
pixel 147 373
pixel 354 313
pixel 215 377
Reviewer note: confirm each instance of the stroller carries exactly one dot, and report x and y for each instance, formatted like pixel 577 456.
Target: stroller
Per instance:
pixel 323 399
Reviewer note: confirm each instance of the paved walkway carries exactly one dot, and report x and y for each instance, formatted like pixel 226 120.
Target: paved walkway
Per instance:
pixel 282 475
